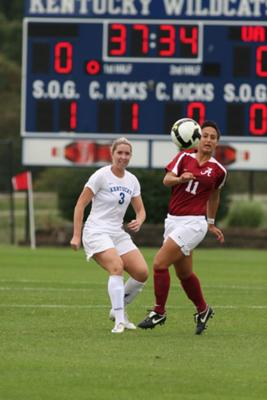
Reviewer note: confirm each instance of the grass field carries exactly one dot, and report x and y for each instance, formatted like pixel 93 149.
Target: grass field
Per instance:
pixel 55 340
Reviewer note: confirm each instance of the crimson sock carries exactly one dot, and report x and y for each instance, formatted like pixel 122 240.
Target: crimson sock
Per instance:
pixel 161 289
pixel 193 290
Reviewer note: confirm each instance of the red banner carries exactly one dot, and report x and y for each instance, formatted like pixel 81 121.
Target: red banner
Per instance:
pixel 21 181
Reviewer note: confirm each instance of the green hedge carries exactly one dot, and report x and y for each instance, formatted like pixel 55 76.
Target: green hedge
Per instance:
pixel 246 214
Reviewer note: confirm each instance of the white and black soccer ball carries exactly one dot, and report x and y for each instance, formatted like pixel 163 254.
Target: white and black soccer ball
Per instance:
pixel 185 133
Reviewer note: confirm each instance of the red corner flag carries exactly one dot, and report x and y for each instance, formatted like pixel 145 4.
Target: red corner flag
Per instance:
pixel 21 181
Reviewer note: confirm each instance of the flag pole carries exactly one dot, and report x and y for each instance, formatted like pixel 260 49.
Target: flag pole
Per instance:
pixel 31 212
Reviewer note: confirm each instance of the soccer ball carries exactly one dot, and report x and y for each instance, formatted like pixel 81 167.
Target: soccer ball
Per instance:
pixel 185 133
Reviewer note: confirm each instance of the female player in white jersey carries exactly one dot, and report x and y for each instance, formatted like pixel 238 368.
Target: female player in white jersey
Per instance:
pixel 111 189
pixel 196 179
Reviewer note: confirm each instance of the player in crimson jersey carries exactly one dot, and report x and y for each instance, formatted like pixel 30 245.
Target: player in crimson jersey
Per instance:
pixel 196 180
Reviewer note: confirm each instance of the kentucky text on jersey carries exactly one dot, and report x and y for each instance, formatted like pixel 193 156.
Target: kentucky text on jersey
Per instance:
pixel 121 189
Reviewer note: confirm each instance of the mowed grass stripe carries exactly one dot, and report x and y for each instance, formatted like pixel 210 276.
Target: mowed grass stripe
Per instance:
pixel 71 289
pixel 57 344
pixel 81 306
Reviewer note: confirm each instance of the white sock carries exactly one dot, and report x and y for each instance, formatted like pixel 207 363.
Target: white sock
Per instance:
pixel 131 289
pixel 116 294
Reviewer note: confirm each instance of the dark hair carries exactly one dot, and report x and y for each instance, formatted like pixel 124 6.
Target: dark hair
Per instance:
pixel 213 125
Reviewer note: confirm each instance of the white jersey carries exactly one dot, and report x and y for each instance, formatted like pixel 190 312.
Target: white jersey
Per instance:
pixel 112 196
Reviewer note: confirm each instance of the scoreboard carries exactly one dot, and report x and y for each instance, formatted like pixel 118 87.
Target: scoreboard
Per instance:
pixel 99 75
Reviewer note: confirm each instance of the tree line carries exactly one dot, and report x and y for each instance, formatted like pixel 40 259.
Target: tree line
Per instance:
pixel 11 12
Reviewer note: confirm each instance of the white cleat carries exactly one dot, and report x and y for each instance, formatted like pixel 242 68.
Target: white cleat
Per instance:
pixel 130 326
pixel 127 324
pixel 118 328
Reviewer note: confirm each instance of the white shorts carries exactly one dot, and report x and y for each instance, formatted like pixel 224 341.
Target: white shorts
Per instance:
pixel 95 242
pixel 187 231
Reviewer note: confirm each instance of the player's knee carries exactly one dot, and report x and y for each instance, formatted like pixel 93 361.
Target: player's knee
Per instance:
pixel 116 268
pixel 140 274
pixel 159 266
pixel 143 276
pixel 183 275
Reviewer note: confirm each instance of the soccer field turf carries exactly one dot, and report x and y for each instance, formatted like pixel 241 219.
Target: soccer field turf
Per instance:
pixel 56 344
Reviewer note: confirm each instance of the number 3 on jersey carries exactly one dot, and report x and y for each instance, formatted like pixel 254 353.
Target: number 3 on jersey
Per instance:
pixel 192 186
pixel 122 197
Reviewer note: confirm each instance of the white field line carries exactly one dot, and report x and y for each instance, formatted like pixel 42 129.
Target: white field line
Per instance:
pixel 71 289
pixel 94 306
pixel 48 289
pixel 50 282
pixel 83 283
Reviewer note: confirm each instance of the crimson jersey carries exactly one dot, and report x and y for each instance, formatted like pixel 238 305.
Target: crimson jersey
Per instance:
pixel 191 198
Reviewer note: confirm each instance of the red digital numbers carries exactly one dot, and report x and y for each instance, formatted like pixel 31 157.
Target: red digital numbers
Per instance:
pixel 143 29
pixel 197 111
pixel 258 119
pixel 257 116
pixel 148 40
pixel 183 41
pixel 261 61
pixel 63 57
pixel 167 40
pixel 135 117
pixel 190 39
pixel 73 115
pixel 253 34
pixel 117 39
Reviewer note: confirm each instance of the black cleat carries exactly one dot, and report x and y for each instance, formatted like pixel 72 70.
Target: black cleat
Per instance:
pixel 202 319
pixel 152 320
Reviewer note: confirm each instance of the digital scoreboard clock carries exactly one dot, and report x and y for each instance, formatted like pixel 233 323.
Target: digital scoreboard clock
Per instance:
pixel 105 77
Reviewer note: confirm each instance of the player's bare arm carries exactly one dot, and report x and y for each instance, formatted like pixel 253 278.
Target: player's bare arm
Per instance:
pixel 84 199
pixel 170 179
pixel 140 212
pixel 212 207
